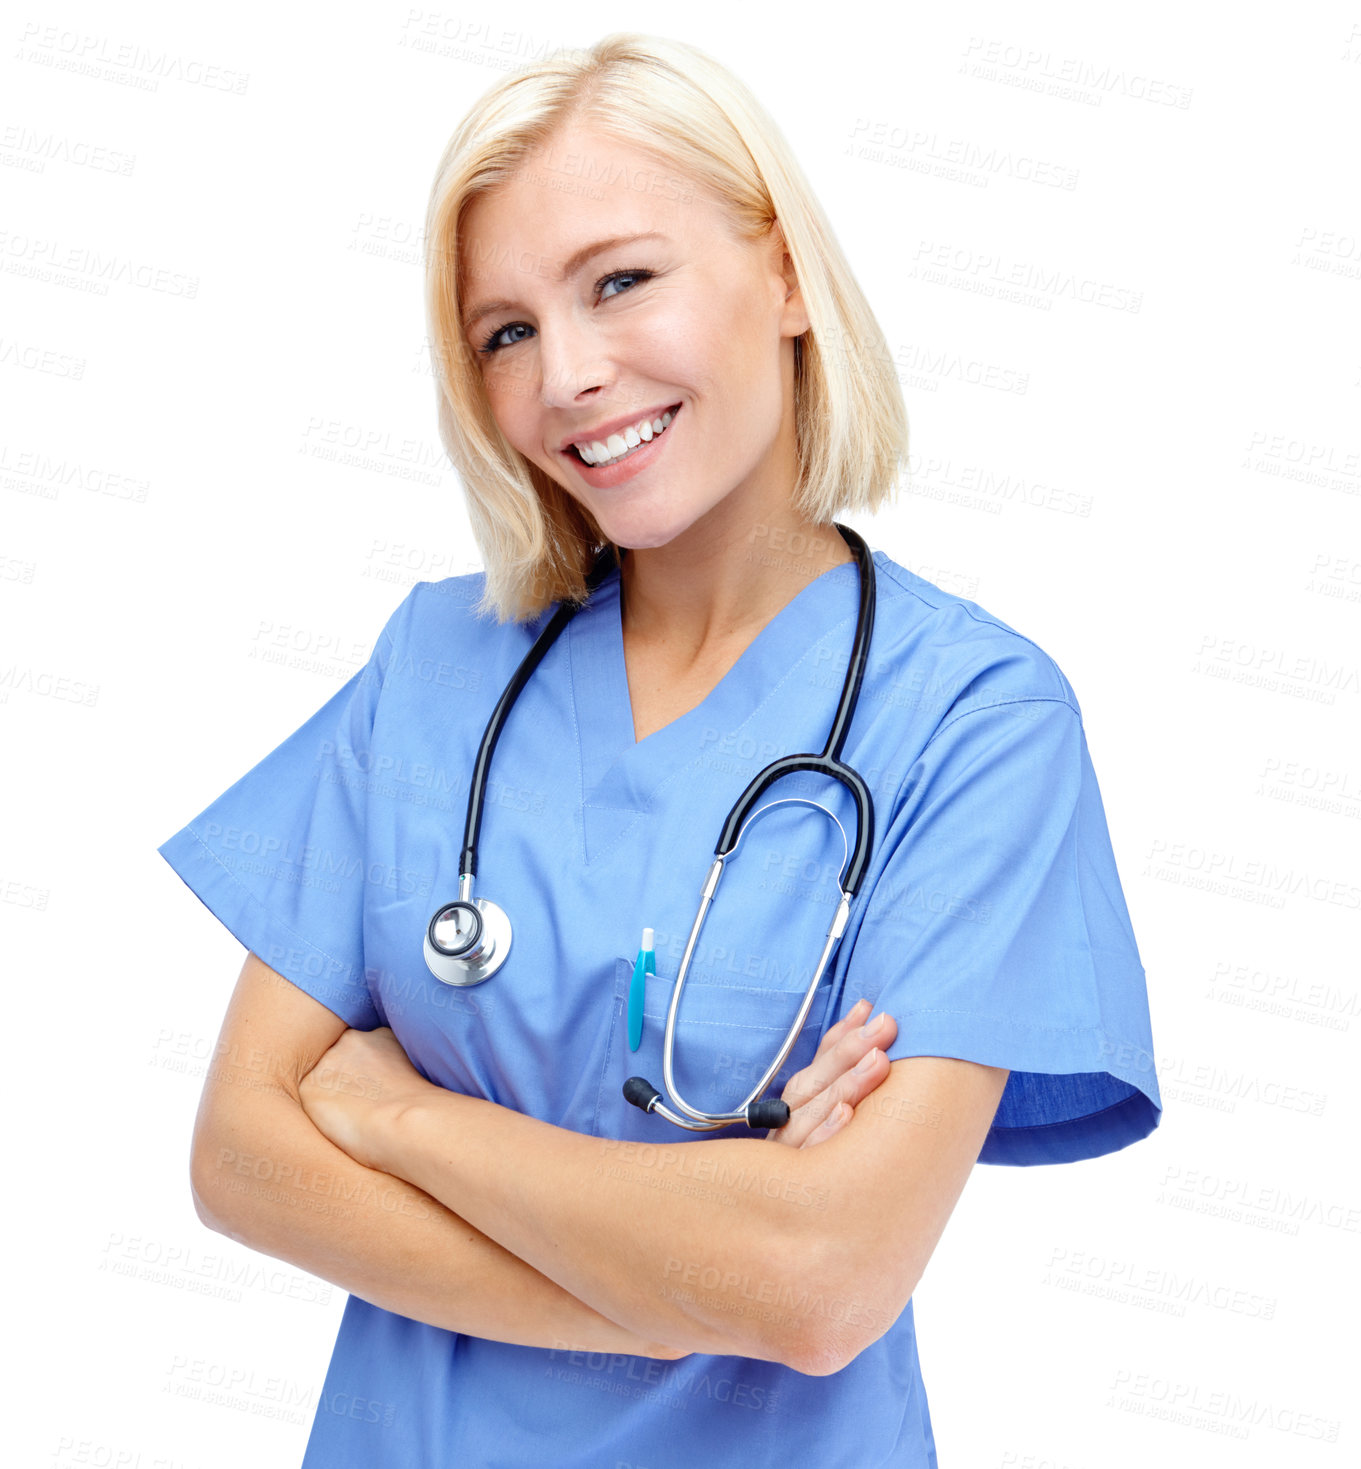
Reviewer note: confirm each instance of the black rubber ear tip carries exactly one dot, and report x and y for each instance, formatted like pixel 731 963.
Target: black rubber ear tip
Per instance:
pixel 768 1114
pixel 641 1093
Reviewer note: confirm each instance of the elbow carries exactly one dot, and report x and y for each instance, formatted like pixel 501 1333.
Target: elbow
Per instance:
pixel 206 1190
pixel 822 1349
pixel 200 1191
pixel 201 1208
pixel 838 1312
pixel 823 1361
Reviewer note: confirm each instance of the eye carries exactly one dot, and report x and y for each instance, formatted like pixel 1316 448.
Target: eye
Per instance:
pixel 621 275
pixel 494 341
pixel 502 336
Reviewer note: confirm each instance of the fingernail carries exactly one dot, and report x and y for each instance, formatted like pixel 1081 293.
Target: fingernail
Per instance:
pixel 867 1062
pixel 874 1026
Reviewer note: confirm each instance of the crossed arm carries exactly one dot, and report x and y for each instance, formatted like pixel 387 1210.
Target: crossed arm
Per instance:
pixel 802 1249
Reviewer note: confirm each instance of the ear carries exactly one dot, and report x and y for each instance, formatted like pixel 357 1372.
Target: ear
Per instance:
pixel 794 314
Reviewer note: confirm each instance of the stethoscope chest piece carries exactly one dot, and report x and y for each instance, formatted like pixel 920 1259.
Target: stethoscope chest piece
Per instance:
pixel 467 942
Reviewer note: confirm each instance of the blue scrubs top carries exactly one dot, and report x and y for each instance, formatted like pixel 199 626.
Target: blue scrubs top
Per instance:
pixel 990 923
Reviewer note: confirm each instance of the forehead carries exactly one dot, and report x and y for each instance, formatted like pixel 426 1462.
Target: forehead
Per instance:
pixel 580 187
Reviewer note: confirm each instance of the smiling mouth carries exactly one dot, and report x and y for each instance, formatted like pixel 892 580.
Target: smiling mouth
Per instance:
pixel 617 447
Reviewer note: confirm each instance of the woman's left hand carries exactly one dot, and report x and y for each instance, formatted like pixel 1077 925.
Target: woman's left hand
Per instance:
pixel 358 1090
pixel 849 1065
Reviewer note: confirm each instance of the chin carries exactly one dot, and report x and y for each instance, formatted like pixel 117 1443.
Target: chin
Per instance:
pixel 642 532
pixel 639 541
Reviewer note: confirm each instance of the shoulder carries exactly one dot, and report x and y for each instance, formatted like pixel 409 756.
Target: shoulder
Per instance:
pixel 452 599
pixel 956 655
pixel 433 611
pixel 440 633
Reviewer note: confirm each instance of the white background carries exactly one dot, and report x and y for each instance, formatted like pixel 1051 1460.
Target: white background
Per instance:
pixel 193 560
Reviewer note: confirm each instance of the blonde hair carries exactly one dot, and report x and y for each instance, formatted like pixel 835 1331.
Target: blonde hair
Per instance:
pixel 538 542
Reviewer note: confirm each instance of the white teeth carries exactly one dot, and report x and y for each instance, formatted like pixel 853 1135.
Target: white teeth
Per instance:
pixel 617 445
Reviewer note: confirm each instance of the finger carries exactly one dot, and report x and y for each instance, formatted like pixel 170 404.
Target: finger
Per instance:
pixel 855 1085
pixel 836 1119
pixel 854 1018
pixel 847 1090
pixel 848 1047
pixel 804 1120
pixel 824 1065
pixel 842 1055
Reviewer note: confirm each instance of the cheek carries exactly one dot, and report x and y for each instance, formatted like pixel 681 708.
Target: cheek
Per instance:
pixel 736 373
pixel 511 397
pixel 728 344
pixel 692 354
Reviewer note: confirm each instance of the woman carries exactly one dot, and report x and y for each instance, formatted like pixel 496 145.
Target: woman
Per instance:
pixel 648 341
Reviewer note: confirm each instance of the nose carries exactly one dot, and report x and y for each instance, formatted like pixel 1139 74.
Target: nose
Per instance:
pixel 573 364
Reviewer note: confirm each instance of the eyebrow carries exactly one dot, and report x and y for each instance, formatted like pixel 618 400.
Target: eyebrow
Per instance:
pixel 574 264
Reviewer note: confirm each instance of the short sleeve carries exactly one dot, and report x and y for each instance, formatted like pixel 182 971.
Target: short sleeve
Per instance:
pixel 280 857
pixel 1001 934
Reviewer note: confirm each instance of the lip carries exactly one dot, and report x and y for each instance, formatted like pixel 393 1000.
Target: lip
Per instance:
pixel 613 426
pixel 608 476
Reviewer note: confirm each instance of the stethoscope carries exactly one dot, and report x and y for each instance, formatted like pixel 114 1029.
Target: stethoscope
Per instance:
pixel 467 941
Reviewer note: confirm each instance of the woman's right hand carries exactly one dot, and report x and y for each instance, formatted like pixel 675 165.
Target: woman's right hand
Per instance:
pixel 823 1096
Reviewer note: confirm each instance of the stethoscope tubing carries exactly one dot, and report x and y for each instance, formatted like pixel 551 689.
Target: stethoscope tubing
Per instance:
pixel 828 763
pixel 562 615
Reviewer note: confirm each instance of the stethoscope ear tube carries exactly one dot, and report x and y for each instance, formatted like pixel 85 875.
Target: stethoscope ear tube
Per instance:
pixel 829 761
pixel 821 765
pixel 757 1112
pixel 640 1093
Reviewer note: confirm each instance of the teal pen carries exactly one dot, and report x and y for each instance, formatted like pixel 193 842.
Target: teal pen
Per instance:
pixel 643 965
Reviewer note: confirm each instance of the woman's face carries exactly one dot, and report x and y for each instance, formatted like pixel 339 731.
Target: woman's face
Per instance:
pixel 602 291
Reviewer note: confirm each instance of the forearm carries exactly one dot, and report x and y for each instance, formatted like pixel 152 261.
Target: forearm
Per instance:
pixel 715 1244
pixel 267 1178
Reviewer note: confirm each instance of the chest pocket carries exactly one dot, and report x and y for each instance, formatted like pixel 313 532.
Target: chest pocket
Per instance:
pixel 726 1036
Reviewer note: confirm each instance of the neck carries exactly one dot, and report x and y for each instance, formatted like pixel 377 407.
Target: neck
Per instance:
pixel 719 584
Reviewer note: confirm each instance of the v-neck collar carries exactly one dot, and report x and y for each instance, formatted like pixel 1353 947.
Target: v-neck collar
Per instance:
pixel 618 773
